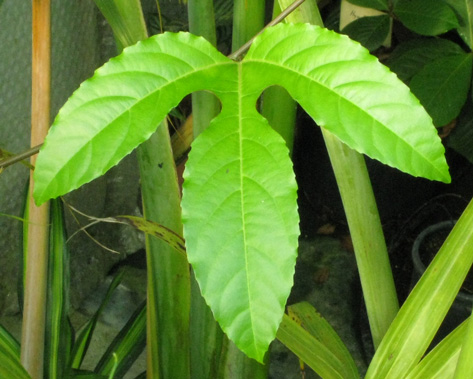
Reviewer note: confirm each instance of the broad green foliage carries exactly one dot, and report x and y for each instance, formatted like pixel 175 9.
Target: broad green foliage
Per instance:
pixel 10 365
pixel 412 56
pixel 381 5
pixel 426 17
pixel 239 200
pixel 419 318
pixel 464 12
pixel 438 72
pixel 371 32
pixel 442 86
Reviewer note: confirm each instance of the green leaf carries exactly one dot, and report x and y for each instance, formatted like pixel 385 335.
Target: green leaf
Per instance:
pixel 126 346
pixel 426 17
pixel 116 110
pixel 424 310
pixel 465 360
pixel 461 138
pixel 363 102
pixel 441 361
pixel 381 5
pixel 85 336
pixel 85 374
pixel 371 32
pixel 242 238
pixel 58 341
pixel 410 57
pixel 10 365
pixel 310 350
pixel 464 12
pixel 442 86
pixel 306 315
pixel 159 231
pixel 122 15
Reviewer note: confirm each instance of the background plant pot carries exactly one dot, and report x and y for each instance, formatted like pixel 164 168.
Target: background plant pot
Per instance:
pixel 426 245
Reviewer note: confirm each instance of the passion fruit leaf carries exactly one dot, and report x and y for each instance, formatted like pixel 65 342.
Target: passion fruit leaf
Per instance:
pixel 239 196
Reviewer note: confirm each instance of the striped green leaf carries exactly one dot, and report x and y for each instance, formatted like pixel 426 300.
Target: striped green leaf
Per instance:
pixel 85 336
pixel 58 341
pixel 10 365
pixel 126 346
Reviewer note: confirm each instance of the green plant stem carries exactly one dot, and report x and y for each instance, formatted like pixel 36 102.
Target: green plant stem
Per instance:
pixel 279 108
pixel 58 332
pixel 248 20
pixel 366 233
pixel 206 337
pixel 125 17
pixel 168 272
pixel 205 105
pixel 168 305
pixel 362 215
pixel 465 360
pixel 34 310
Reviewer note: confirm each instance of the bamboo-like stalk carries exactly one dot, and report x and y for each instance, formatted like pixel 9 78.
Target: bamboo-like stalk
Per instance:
pixel 168 297
pixel 168 272
pixel 362 215
pixel 32 339
pixel 367 235
pixel 206 337
pixel 279 108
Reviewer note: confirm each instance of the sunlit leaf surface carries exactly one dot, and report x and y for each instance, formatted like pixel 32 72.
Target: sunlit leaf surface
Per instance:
pixel 239 200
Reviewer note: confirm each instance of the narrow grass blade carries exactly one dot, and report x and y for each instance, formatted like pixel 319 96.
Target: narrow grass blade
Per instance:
pixel 441 362
pixel 10 366
pixel 126 347
pixel 311 350
pixel 424 310
pixel 159 231
pixel 168 272
pixel 83 374
pixel 58 339
pixel 465 360
pixel 126 19
pixel 83 340
pixel 317 326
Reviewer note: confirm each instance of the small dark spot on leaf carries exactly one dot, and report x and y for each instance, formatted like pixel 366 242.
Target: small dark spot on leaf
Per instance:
pixel 160 165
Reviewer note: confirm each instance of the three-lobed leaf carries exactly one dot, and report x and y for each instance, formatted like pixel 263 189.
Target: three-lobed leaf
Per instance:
pixel 239 197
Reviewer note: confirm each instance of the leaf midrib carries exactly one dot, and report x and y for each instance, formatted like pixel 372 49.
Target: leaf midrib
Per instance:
pixel 242 200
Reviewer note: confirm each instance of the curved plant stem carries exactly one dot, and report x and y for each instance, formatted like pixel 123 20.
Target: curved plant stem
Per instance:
pixel 362 215
pixel 32 340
